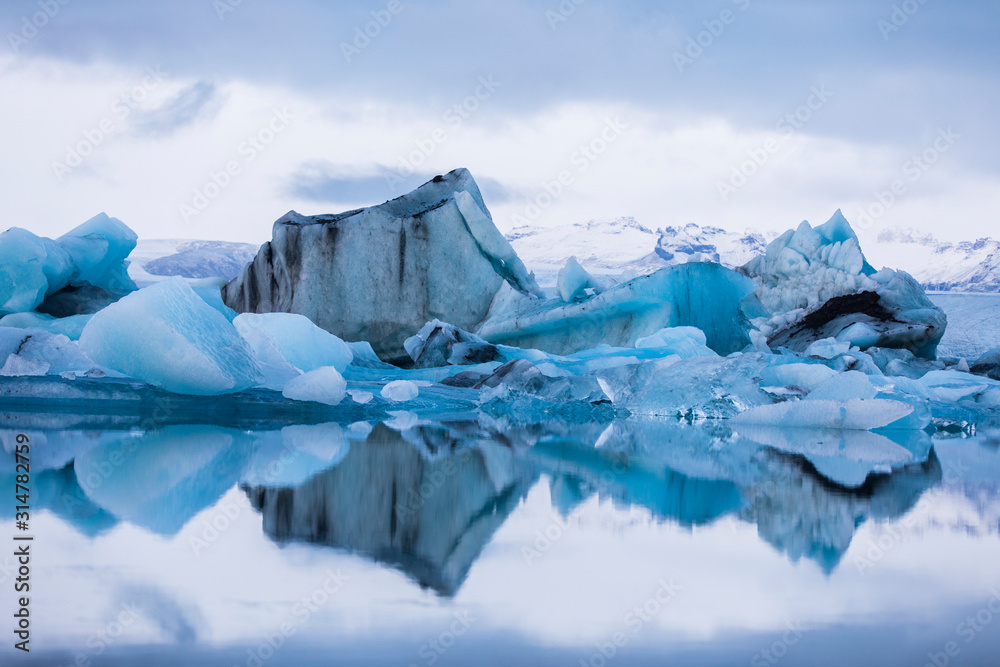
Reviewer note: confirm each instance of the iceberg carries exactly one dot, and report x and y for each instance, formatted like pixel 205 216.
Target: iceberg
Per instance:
pixel 819 285
pixel 323 385
pixel 93 254
pixel 71 326
pixel 441 344
pixel 573 281
pixel 98 249
pixel 379 274
pixel 167 336
pixel 31 268
pixel 287 345
pixel 29 351
pixel 400 391
pixel 710 297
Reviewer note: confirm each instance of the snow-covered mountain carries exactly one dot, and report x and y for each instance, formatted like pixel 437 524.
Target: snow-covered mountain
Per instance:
pixel 155 259
pixel 622 246
pixel 618 246
pixel 969 266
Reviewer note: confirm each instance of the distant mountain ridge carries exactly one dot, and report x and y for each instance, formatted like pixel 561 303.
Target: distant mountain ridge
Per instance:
pixel 625 246
pixel 615 247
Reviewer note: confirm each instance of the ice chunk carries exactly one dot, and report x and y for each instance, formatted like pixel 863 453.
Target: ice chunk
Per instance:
pixel 857 413
pixel 400 390
pixel 323 385
pixel 828 348
pixel 819 285
pixel 360 397
pixel 31 268
pixel 41 347
pixel 287 345
pixel 71 327
pixel 805 377
pixel 169 337
pixel 440 344
pixel 573 282
pixel 16 366
pixel 300 342
pixel 683 341
pixel 953 386
pixel 98 249
pixel 695 388
pixel 844 387
pixel 710 297
pixel 988 364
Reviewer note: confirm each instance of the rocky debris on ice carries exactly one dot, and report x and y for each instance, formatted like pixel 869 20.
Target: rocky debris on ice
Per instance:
pixel 819 285
pixel 441 344
pixel 167 336
pixel 988 364
pixel 379 274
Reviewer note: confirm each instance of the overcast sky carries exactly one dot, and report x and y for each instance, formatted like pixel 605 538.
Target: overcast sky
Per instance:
pixel 212 118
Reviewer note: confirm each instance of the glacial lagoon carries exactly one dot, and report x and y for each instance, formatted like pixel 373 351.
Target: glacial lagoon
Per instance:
pixel 413 542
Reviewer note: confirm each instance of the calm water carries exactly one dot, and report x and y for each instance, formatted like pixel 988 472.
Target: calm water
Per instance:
pixel 635 542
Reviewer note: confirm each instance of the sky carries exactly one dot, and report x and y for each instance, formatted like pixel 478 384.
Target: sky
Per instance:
pixel 212 118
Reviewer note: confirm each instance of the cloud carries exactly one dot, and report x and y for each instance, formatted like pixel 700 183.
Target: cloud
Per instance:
pixel 195 101
pixel 324 182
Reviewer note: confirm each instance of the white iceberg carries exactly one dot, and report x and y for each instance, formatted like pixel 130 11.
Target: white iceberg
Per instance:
pixel 324 385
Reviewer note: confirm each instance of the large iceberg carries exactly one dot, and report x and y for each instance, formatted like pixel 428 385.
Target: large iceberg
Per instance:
pixel 168 336
pixel 379 274
pixel 819 285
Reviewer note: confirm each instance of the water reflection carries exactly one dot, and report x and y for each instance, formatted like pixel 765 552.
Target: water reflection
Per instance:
pixel 427 498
